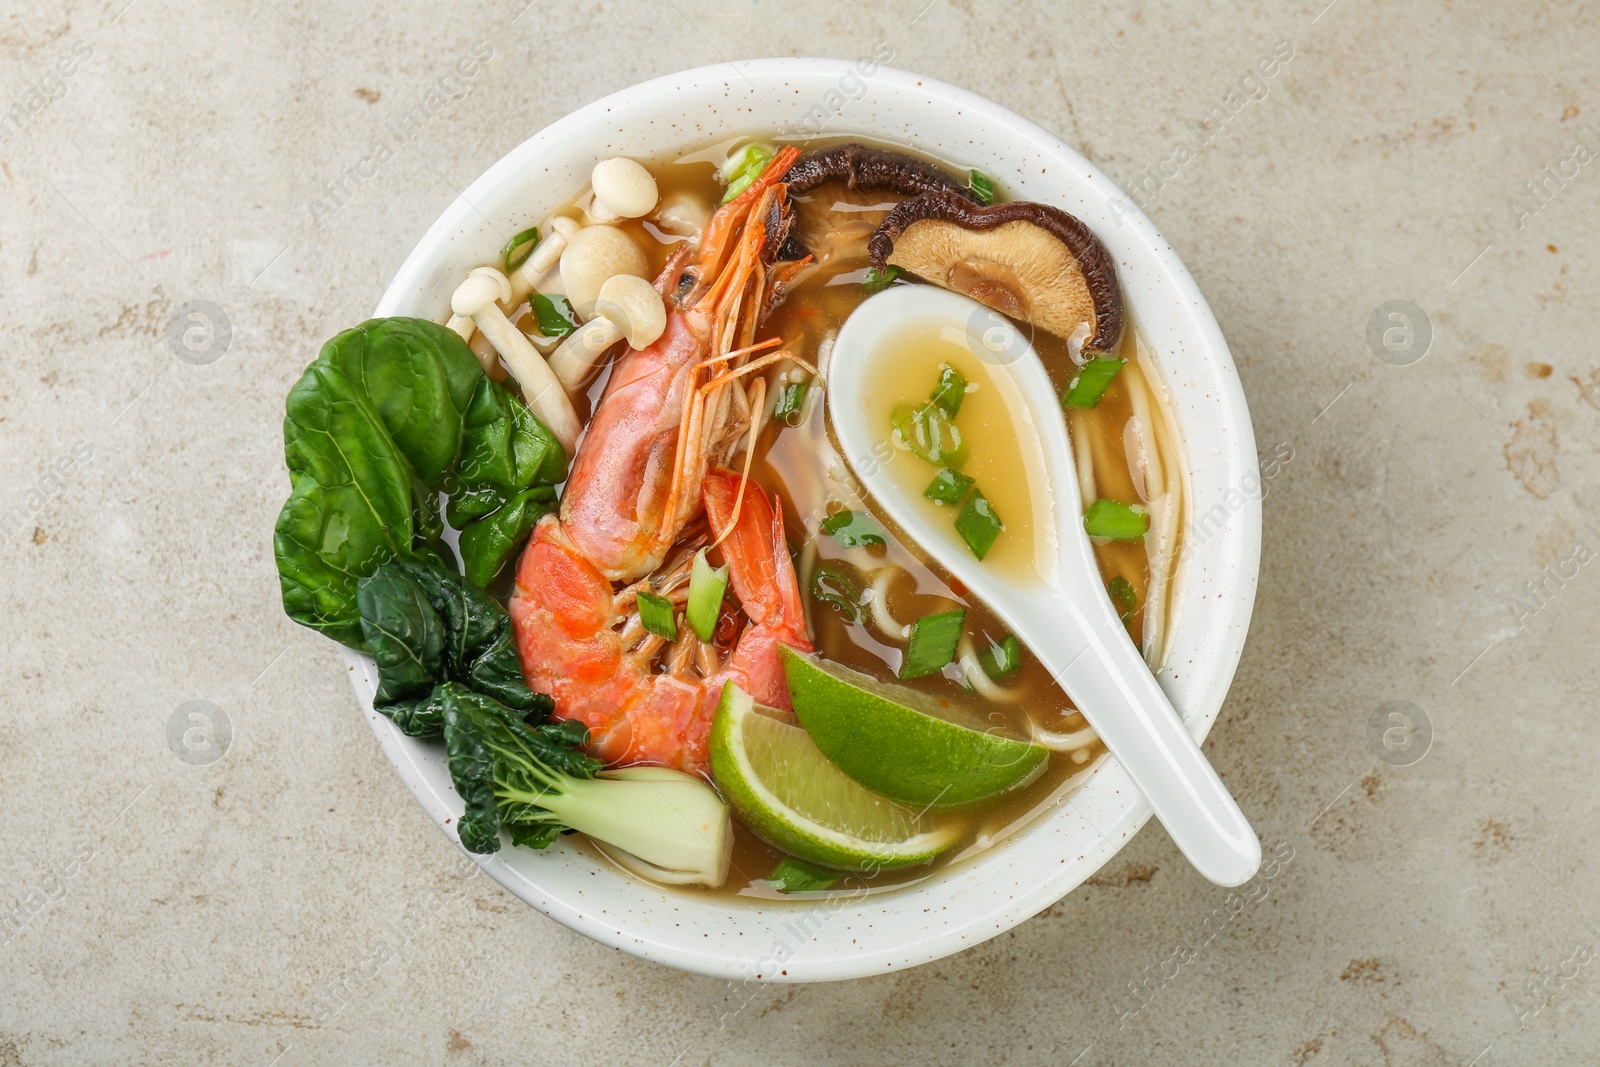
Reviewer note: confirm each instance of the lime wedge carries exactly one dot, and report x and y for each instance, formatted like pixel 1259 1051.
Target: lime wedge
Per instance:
pixel 787 792
pixel 902 743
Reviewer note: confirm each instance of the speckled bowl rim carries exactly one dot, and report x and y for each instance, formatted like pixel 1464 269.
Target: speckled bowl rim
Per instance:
pixel 968 902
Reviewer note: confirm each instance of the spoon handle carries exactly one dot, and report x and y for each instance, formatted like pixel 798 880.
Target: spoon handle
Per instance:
pixel 1095 662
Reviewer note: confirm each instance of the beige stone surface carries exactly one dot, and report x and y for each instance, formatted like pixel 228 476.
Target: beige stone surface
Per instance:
pixel 168 913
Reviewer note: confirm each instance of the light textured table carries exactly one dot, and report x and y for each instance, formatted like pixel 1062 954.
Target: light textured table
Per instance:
pixel 162 912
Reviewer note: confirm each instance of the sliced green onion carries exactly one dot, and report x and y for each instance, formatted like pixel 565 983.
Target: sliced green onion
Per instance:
pixel 1116 520
pixel 1091 383
pixel 519 248
pixel 978 524
pixel 832 585
pixel 553 313
pixel 948 487
pixel 656 612
pixel 950 391
pixel 744 167
pixel 707 584
pixel 933 643
pixel 854 528
pixel 928 431
pixel 877 280
pixel 1123 596
pixel 791 401
pixel 1002 657
pixel 981 187
pixel 797 876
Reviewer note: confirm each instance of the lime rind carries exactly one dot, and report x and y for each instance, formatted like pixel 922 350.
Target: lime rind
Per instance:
pixel 899 742
pixel 787 792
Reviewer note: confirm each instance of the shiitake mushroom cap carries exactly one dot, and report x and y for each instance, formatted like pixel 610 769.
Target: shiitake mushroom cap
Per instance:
pixel 1033 262
pixel 871 169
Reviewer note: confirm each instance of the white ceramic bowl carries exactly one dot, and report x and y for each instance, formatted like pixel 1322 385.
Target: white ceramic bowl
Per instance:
pixel 968 902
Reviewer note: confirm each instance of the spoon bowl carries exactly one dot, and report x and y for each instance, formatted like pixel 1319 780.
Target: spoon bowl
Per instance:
pixel 1060 610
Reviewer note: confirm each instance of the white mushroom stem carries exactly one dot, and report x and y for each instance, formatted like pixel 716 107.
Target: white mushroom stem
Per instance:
pixel 476 299
pixel 627 307
pixel 462 327
pixel 578 354
pixel 546 254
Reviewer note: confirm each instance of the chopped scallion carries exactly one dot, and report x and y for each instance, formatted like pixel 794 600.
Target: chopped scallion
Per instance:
pixel 948 487
pixel 797 876
pixel 854 528
pixel 519 248
pixel 981 187
pixel 933 643
pixel 1123 596
pixel 950 391
pixel 707 584
pixel 926 430
pixel 1116 520
pixel 877 280
pixel 1002 657
pixel 1091 383
pixel 791 402
pixel 553 314
pixel 658 616
pixel 978 524
pixel 744 167
pixel 832 585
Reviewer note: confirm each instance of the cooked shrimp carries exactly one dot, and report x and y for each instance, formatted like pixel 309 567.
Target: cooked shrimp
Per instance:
pixel 631 512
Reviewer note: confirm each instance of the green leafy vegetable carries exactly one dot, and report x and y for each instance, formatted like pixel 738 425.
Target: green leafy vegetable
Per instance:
pixel 1123 596
pixel 798 876
pixel 391 413
pixel 707 585
pixel 480 734
pixel 553 313
pixel 1115 520
pixel 927 431
pixel 832 584
pixel 536 782
pixel 743 167
pixel 951 390
pixel 519 248
pixel 948 487
pixel 933 643
pixel 1091 382
pixel 853 529
pixel 877 280
pixel 1002 657
pixel 791 402
pixel 659 616
pixel 423 626
pixel 978 524
pixel 981 187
